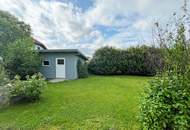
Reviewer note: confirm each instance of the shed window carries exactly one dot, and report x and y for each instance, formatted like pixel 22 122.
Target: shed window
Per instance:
pixel 60 61
pixel 46 63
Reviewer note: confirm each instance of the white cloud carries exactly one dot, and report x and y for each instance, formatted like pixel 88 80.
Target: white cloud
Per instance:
pixel 63 25
pixel 141 24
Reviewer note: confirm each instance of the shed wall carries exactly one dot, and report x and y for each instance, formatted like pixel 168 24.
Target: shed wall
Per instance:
pixel 70 65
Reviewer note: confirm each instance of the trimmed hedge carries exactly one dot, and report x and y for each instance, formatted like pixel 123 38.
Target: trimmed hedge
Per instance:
pixel 141 60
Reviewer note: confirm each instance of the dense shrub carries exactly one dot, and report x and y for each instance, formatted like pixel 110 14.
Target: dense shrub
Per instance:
pixel 29 89
pixel 141 60
pixel 16 47
pixel 21 59
pixel 105 61
pixel 166 105
pixel 82 69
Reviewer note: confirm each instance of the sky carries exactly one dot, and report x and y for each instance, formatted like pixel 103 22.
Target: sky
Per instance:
pixel 90 24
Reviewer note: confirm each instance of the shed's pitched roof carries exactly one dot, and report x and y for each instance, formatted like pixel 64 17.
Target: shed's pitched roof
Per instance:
pixel 76 51
pixel 39 43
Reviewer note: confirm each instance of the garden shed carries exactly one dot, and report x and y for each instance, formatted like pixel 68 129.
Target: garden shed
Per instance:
pixel 59 63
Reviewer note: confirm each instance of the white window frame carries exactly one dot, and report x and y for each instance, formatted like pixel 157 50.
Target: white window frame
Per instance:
pixel 60 59
pixel 46 65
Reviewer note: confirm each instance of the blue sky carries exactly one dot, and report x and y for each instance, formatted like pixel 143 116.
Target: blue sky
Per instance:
pixel 90 24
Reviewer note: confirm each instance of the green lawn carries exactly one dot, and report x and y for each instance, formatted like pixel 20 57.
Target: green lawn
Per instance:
pixel 95 103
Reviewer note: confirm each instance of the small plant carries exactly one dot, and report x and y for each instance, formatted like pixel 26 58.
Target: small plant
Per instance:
pixel 82 69
pixel 28 90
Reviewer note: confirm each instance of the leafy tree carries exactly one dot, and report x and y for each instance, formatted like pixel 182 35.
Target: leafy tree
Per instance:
pixel 21 59
pixel 11 29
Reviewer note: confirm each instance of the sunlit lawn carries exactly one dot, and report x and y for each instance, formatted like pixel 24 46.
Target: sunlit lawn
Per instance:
pixel 94 103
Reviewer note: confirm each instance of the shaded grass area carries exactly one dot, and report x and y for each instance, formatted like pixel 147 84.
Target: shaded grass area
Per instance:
pixel 94 103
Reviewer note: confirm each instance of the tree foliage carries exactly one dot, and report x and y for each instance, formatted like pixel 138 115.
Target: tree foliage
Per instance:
pixel 21 59
pixel 11 29
pixel 141 60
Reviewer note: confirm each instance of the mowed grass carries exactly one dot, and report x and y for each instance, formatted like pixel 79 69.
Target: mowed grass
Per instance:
pixel 94 103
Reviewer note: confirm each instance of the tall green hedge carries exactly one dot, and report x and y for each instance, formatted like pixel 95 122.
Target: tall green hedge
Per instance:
pixel 141 60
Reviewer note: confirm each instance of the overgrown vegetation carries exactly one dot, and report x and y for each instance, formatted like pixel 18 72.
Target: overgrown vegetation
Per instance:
pixel 18 57
pixel 141 60
pixel 21 59
pixel 16 47
pixel 82 69
pixel 165 105
pixel 27 90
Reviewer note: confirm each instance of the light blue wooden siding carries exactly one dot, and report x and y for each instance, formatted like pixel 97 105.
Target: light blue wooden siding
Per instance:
pixel 70 65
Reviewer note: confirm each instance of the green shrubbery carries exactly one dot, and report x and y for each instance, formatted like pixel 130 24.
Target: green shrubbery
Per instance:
pixel 82 69
pixel 166 104
pixel 29 89
pixel 17 47
pixel 21 59
pixel 142 60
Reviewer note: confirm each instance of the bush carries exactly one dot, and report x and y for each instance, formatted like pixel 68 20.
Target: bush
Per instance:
pixel 105 61
pixel 141 60
pixel 166 105
pixel 21 59
pixel 82 69
pixel 28 90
